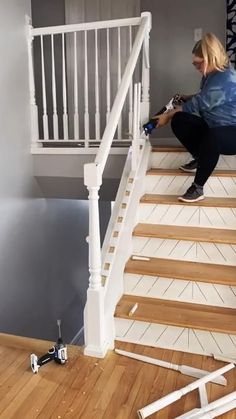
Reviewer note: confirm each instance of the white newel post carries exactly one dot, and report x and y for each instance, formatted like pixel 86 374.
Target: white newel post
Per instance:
pixel 145 100
pixel 94 315
pixel 33 106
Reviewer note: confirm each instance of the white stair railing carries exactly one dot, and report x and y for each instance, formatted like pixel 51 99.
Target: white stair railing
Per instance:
pixel 97 321
pixel 72 59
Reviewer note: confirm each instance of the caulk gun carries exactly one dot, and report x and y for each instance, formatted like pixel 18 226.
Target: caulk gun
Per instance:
pixel 58 353
pixel 152 123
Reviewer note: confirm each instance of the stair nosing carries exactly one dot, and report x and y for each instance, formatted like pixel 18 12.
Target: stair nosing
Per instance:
pixel 177 172
pixel 148 198
pixel 186 270
pixel 168 149
pixel 176 309
pixel 181 233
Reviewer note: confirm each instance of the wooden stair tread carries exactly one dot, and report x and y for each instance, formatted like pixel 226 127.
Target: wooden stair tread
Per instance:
pixel 175 313
pixel 178 269
pixel 201 234
pixel 173 200
pixel 159 148
pixel 177 172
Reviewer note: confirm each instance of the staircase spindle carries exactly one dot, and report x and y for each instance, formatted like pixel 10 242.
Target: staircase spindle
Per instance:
pixel 131 86
pixel 145 76
pixel 64 89
pixel 97 106
pixel 45 116
pixel 119 131
pixel 76 109
pixel 86 104
pixel 108 77
pixel 54 93
pixel 33 105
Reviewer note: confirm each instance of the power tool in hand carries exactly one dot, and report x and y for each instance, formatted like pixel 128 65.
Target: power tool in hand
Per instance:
pixel 152 123
pixel 57 353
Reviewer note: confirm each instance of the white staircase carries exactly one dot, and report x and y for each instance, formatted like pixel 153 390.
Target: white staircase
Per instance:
pixel 185 286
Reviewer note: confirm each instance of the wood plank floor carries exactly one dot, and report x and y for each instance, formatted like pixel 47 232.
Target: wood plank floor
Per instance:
pixel 111 388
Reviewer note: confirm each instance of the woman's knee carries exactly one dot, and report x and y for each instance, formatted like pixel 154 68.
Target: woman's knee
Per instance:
pixel 177 120
pixel 180 124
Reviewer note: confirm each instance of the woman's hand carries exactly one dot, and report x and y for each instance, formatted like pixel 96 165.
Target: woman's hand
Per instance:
pixel 162 119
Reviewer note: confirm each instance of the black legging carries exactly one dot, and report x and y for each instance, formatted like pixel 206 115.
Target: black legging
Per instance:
pixel 204 143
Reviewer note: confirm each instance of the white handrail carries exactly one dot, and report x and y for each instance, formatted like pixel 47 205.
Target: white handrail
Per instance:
pixel 86 26
pixel 110 129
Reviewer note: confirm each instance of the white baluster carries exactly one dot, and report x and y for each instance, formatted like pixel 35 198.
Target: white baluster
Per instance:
pixel 45 116
pixel 64 90
pixel 136 127
pixel 97 106
pixel 131 86
pixel 138 109
pixel 54 93
pixel 108 77
pixel 119 80
pixel 134 141
pixel 145 105
pixel 33 106
pixel 86 105
pixel 76 109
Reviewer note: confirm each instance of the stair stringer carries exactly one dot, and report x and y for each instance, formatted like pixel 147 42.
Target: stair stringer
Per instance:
pixel 117 246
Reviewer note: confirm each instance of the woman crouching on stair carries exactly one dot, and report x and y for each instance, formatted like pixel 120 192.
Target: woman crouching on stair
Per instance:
pixel 206 123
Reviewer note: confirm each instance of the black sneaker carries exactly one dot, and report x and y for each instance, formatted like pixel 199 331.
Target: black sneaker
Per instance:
pixel 193 194
pixel 189 167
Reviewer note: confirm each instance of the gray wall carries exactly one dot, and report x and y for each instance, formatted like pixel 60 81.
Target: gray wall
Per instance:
pixel 43 254
pixel 171 44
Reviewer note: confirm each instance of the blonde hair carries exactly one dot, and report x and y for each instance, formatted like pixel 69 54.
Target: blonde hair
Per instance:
pixel 212 51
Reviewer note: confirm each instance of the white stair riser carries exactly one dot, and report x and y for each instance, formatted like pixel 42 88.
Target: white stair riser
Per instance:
pixel 187 215
pixel 177 185
pixel 173 160
pixel 201 252
pixel 180 290
pixel 176 338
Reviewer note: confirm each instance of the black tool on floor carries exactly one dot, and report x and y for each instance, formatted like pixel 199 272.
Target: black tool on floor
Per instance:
pixel 152 123
pixel 57 353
